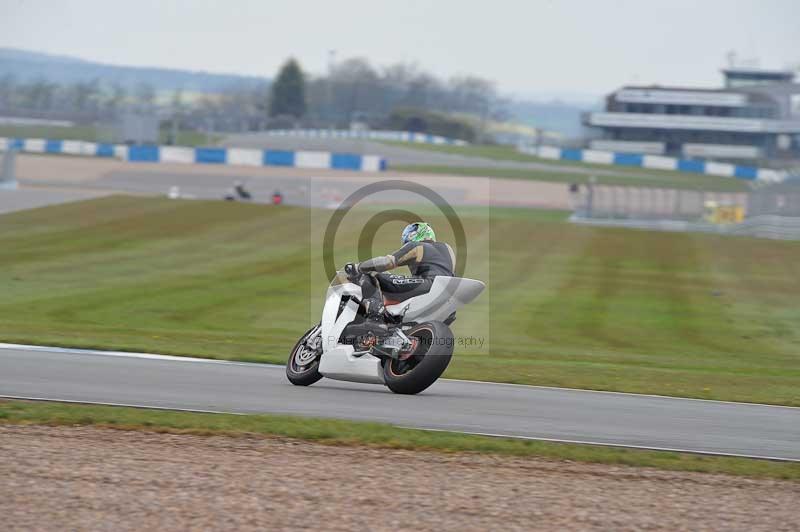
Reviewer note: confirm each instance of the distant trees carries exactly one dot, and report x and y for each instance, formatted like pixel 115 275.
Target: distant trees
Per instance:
pixel 43 98
pixel 82 95
pixel 397 96
pixel 38 95
pixel 356 91
pixel 422 121
pixel 116 98
pixel 145 94
pixel 7 89
pixel 288 94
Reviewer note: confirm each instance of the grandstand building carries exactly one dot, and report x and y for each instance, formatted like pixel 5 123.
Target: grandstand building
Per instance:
pixel 755 116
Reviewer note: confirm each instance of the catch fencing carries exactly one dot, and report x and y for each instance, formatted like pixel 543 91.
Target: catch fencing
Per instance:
pixel 645 203
pixel 771 211
pixel 369 134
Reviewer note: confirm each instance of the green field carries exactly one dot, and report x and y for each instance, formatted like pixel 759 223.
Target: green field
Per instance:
pixel 680 180
pixel 623 175
pixel 93 134
pixel 88 133
pixel 340 432
pixel 667 313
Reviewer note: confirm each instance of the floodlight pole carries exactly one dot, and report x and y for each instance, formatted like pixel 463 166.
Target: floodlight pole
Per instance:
pixel 590 196
pixel 8 179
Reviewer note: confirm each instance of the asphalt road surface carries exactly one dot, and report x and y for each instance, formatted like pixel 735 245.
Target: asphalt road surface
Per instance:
pixel 65 179
pixel 508 410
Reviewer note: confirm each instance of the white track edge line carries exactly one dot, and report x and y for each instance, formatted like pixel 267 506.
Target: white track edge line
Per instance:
pixel 130 354
pixel 127 405
pixel 632 394
pixel 175 358
pixel 487 434
pixel 607 444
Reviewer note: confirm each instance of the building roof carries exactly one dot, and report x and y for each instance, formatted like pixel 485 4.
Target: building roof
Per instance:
pixel 677 88
pixel 682 96
pixel 789 74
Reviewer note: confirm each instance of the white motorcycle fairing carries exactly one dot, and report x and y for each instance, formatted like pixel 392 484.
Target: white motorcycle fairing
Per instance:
pixel 445 296
pixel 337 360
pixel 340 361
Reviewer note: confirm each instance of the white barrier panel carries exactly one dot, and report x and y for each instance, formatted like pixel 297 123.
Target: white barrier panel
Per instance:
pixel 598 157
pixel 549 152
pixel 34 145
pixel 312 159
pixel 721 150
pixel 245 157
pixel 121 152
pixel 73 147
pixel 767 174
pixel 371 163
pixel 176 154
pixel 659 163
pixel 3 143
pixel 722 169
pixel 629 146
pixel 89 148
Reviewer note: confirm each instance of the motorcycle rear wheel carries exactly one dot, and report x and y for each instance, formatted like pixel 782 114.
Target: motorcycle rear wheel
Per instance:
pixel 302 368
pixel 425 362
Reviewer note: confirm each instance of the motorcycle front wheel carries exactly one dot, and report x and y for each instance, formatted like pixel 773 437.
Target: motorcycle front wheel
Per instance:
pixel 302 368
pixel 418 367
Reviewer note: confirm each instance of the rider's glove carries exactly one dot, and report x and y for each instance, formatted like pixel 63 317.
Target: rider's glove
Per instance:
pixel 351 270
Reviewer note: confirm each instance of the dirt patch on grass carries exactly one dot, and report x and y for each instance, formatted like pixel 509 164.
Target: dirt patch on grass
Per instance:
pixel 93 478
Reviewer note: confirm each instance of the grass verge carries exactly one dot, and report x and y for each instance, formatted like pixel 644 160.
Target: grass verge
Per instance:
pixel 676 180
pixel 678 314
pixel 91 133
pixel 338 432
pixel 624 175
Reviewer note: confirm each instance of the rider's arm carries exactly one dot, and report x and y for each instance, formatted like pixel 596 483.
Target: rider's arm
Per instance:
pixel 411 252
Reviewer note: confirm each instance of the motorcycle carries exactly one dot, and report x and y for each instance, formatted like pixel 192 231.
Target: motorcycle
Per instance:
pixel 407 349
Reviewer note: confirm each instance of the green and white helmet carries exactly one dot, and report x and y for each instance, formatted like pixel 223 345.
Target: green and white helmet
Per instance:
pixel 417 232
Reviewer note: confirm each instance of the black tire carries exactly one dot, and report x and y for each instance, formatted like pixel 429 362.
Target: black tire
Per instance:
pixel 306 374
pixel 420 368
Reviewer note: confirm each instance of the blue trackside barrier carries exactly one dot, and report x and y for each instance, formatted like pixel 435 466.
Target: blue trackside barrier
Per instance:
pixel 150 153
pixel 278 158
pixel 657 162
pixel 628 159
pixel 686 165
pixel 104 150
pixel 143 153
pixel 571 155
pixel 346 161
pixel 210 155
pixel 355 162
pixel 53 146
pixel 746 172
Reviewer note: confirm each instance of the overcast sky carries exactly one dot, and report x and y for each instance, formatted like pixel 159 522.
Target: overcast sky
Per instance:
pixel 534 47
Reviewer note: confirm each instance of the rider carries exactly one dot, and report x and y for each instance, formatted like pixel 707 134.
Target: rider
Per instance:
pixel 424 256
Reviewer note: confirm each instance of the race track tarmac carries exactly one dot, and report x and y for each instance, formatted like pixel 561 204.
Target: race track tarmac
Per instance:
pixel 508 410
